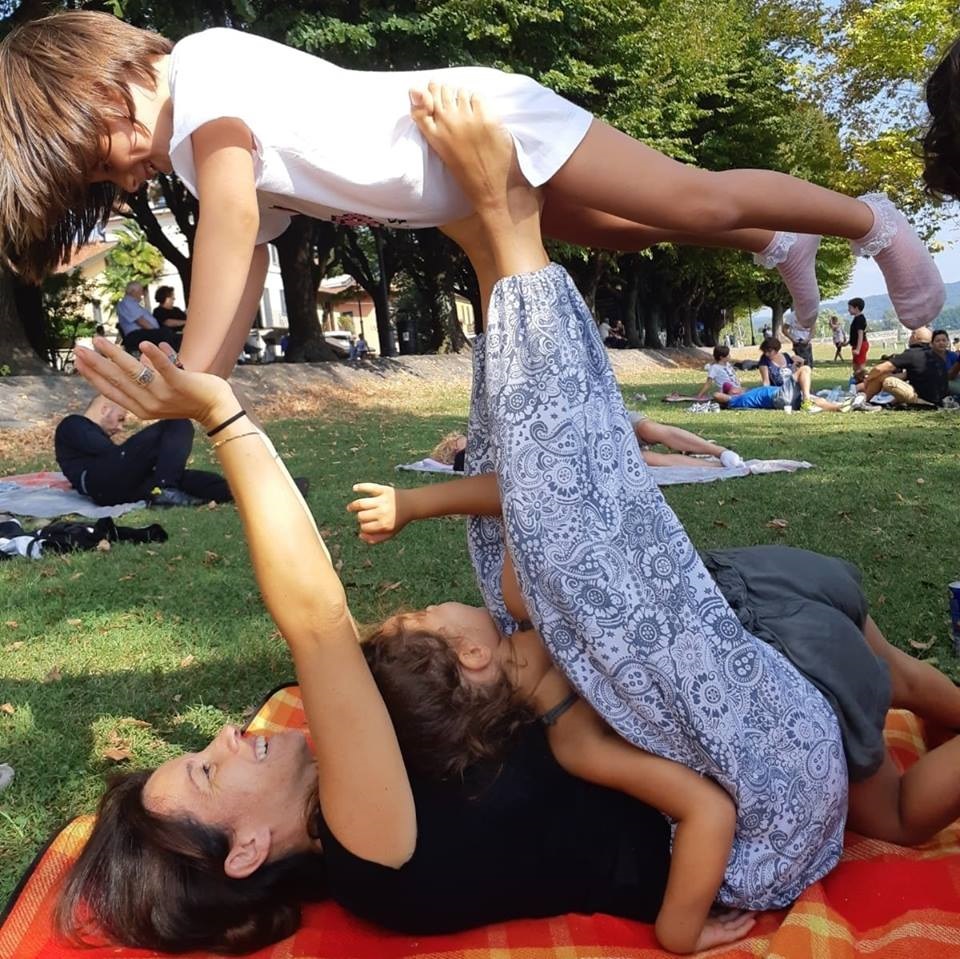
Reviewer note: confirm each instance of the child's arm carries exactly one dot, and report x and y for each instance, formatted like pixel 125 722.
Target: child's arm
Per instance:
pixel 704 388
pixel 705 814
pixel 384 510
pixel 224 287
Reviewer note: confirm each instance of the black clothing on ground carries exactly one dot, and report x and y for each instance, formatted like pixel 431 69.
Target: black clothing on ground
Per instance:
pixel 162 313
pixel 67 537
pixel 133 339
pixel 858 323
pixel 522 840
pixel 926 372
pixel 459 461
pixel 155 457
pixel 811 608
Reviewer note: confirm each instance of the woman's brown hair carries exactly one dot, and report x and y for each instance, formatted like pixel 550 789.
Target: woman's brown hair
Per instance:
pixel 62 78
pixel 157 882
pixel 443 723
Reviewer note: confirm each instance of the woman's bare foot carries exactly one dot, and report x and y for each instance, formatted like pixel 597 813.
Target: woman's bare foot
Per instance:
pixel 480 154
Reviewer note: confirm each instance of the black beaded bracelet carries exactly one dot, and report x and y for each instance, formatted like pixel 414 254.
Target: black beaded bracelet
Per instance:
pixel 226 423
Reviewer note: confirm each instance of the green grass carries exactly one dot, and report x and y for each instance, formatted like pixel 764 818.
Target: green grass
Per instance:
pixel 96 645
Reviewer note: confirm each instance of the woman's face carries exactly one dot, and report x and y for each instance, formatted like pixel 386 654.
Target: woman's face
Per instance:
pixel 237 780
pixel 940 344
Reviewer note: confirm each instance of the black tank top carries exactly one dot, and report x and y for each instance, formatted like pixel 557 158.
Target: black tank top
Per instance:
pixel 526 840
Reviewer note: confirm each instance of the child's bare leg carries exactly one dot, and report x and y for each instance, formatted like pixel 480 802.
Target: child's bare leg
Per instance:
pixel 911 807
pixel 640 184
pixel 793 258
pixel 916 686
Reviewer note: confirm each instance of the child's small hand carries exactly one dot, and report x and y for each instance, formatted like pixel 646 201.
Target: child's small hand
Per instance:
pixel 380 513
pixel 725 927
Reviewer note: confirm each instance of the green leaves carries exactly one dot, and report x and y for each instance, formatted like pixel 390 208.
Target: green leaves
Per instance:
pixel 133 259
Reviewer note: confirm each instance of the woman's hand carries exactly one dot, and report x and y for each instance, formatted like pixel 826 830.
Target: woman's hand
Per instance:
pixel 381 514
pixel 724 928
pixel 155 388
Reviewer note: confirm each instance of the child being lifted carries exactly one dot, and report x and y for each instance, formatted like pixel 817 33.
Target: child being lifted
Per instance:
pixel 91 108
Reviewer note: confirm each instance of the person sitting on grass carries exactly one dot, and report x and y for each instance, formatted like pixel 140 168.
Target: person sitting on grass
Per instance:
pixel 151 465
pixel 926 382
pixel 720 374
pixel 358 349
pixel 940 344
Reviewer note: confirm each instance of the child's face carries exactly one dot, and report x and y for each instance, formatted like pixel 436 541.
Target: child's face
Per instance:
pixel 127 158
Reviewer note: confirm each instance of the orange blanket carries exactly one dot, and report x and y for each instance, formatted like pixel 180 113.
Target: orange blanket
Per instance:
pixel 882 902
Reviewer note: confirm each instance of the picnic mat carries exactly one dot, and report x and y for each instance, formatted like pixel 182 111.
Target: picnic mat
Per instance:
pixel 882 901
pixel 47 495
pixel 663 475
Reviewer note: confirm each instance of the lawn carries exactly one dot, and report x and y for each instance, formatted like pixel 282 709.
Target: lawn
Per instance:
pixel 141 652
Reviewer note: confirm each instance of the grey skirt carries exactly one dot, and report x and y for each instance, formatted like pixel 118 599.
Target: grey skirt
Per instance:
pixel 811 608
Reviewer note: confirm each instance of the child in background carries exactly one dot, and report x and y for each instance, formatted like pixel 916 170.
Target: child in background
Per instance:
pixel 91 108
pixel 721 375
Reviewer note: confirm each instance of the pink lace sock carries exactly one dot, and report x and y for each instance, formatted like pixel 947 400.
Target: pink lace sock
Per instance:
pixel 795 257
pixel 913 280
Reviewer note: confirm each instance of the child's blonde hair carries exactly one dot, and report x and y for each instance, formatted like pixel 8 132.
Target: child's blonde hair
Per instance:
pixel 62 78
pixel 446 450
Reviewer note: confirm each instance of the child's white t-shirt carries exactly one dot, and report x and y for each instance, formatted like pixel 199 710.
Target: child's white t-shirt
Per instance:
pixel 722 373
pixel 340 144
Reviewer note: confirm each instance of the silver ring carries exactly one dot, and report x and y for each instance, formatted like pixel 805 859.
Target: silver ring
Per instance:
pixel 143 376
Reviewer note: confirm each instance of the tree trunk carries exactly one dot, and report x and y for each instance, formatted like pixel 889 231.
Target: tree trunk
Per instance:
pixel 16 352
pixel 143 214
pixel 778 309
pixel 295 251
pixel 384 329
pixel 651 326
pixel 455 337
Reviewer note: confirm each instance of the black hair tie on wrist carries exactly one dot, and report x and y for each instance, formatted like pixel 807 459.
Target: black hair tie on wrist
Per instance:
pixel 226 423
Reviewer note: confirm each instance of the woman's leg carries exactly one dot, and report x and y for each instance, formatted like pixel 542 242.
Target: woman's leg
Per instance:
pixel 640 184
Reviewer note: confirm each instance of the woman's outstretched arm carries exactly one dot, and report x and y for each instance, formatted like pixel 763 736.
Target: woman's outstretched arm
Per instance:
pixel 364 791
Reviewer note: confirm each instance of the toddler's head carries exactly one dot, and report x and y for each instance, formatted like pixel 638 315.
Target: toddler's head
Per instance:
pixel 63 79
pixel 941 142
pixel 721 353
